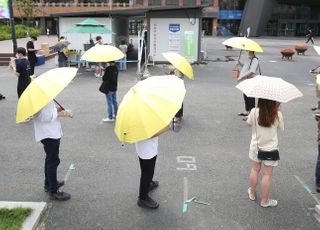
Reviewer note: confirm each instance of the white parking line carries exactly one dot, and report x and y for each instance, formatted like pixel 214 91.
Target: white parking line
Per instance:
pixel 309 190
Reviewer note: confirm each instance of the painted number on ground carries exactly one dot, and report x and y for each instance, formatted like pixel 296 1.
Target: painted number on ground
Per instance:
pixel 186 163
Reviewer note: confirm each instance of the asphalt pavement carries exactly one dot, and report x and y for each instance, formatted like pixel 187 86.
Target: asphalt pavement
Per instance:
pixel 208 158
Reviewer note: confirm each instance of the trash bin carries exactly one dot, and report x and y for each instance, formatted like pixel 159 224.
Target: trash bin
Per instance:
pixel 41 59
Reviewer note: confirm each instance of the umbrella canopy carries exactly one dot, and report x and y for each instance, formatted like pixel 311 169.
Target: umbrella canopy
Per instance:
pixel 89 22
pixel 148 107
pixel 271 88
pixel 42 90
pixel 243 43
pixel 317 48
pixel 102 53
pixel 89 30
pixel 180 63
pixel 61 45
pixel 89 26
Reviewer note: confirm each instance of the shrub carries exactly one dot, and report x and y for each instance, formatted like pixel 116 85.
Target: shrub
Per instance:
pixel 33 31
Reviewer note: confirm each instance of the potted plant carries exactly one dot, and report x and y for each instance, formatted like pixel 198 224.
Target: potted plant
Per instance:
pixel 287 53
pixel 301 49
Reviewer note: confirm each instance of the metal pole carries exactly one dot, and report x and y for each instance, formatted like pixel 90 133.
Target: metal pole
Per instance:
pixel 13 34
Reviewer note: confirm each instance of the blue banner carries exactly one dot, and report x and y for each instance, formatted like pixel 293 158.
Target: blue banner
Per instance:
pixel 230 14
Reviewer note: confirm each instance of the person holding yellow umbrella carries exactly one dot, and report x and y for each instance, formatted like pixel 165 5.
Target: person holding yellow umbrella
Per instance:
pixel 144 113
pixel 38 101
pixel 181 68
pixel 249 66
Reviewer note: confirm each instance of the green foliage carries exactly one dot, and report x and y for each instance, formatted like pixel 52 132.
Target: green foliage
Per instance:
pixel 12 219
pixel 27 9
pixel 34 31
pixel 21 31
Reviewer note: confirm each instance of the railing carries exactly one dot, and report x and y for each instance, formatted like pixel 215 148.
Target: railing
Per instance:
pixel 116 3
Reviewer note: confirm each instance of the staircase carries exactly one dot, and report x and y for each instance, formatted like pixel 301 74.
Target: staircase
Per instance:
pixel 5 58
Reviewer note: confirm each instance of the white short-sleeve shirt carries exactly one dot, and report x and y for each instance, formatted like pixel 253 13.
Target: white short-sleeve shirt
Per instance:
pixel 147 149
pixel 253 67
pixel 266 138
pixel 47 123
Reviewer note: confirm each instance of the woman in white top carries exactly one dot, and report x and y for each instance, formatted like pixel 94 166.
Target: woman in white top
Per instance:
pixel 265 121
pixel 249 69
pixel 124 48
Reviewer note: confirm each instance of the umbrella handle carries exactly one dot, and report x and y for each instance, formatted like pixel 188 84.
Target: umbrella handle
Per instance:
pixel 58 104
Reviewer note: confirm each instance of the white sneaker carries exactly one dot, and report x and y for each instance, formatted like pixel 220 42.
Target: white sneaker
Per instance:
pixel 107 119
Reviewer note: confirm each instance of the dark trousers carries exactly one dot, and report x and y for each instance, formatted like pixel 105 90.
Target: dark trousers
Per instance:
pixel 310 39
pixel 147 171
pixel 318 168
pixel 249 102
pixel 32 65
pixel 179 114
pixel 51 148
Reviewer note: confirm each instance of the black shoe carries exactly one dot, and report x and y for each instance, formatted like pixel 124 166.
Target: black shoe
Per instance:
pixel 153 185
pixel 60 196
pixel 147 203
pixel 2 97
pixel 60 184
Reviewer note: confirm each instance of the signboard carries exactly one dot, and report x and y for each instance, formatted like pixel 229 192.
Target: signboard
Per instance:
pixel 4 9
pixel 174 38
pixel 230 14
pixel 190 46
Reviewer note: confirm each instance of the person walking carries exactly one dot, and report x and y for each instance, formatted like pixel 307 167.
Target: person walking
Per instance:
pixel 310 36
pixel 32 54
pixel 110 85
pixel 265 121
pixel 22 70
pixel 147 151
pixel 249 69
pixel 124 49
pixel 48 131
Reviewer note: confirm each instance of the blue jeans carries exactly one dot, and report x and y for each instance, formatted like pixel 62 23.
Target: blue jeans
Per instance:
pixel 318 168
pixel 112 104
pixel 123 63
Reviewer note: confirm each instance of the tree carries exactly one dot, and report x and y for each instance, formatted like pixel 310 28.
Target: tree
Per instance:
pixel 27 10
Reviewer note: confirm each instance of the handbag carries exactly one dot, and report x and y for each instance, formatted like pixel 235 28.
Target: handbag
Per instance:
pixel 271 155
pixel 103 88
pixel 235 73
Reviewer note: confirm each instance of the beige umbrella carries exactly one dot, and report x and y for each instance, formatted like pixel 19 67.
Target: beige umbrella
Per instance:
pixel 271 88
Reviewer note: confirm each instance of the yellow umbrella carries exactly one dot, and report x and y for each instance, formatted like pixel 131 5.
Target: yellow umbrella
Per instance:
pixel 148 107
pixel 42 90
pixel 317 48
pixel 102 53
pixel 243 43
pixel 180 63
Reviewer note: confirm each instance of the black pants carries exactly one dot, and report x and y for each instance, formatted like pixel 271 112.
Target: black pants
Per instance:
pixel 147 171
pixel 32 65
pixel 310 39
pixel 51 148
pixel 179 114
pixel 249 102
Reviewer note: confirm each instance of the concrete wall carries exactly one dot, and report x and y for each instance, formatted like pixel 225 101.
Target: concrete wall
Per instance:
pixel 120 26
pixel 256 15
pixel 77 40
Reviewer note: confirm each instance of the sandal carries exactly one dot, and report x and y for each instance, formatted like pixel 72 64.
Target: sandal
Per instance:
pixel 245 118
pixel 251 197
pixel 271 203
pixel 243 114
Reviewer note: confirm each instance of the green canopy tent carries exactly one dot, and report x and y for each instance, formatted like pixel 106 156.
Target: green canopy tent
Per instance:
pixel 89 26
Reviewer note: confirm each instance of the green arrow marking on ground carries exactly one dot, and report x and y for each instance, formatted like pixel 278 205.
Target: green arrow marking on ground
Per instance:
pixel 185 207
pixel 72 167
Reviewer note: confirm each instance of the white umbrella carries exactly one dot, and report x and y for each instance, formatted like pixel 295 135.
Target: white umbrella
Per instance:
pixel 271 88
